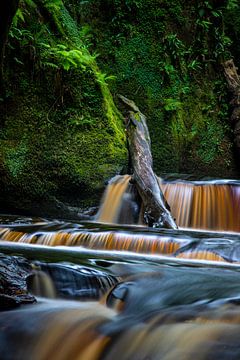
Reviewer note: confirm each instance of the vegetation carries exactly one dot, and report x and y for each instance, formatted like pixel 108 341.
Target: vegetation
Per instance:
pixel 71 140
pixel 62 133
pixel 167 56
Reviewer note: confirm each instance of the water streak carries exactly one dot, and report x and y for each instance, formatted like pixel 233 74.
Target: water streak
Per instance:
pixel 163 312
pixel 148 310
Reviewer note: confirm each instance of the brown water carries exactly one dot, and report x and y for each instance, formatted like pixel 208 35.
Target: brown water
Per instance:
pixel 112 202
pixel 128 292
pixel 154 312
pixel 196 205
pixel 207 206
pixel 131 239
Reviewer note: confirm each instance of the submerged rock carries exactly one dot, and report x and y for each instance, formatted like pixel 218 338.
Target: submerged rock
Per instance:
pixel 71 281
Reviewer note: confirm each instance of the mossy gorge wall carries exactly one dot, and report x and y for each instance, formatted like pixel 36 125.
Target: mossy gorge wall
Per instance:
pixel 62 134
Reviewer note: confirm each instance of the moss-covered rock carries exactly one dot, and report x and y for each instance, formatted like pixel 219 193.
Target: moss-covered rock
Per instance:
pixel 70 151
pixel 63 136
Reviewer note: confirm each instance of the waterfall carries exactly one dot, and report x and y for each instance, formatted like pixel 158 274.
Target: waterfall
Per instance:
pixel 196 205
pixel 204 206
pixel 119 204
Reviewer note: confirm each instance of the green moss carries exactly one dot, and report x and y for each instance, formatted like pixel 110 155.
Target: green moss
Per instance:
pixel 167 56
pixel 196 136
pixel 57 157
pixel 63 135
pixel 68 149
pixel 73 36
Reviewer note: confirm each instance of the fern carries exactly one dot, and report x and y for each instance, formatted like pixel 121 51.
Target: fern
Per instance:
pixel 19 16
pixel 50 65
pixel 103 79
pixel 74 58
pixel 232 4
pixel 53 4
pixel 30 3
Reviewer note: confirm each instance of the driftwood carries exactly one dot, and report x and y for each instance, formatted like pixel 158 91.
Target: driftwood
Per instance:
pixel 233 80
pixel 156 213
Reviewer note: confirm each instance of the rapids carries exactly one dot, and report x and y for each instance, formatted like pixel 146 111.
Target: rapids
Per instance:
pixel 115 289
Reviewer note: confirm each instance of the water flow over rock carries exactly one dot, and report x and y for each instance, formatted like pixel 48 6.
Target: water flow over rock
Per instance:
pixel 115 239
pixel 157 313
pixel 113 199
pixel 148 310
pixel 70 281
pixel 197 205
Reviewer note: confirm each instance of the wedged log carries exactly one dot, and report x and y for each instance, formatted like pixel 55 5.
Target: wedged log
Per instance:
pixel 13 282
pixel 233 80
pixel 156 213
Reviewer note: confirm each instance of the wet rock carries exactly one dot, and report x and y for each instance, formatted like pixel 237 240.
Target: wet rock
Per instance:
pixel 152 292
pixel 72 281
pixel 14 272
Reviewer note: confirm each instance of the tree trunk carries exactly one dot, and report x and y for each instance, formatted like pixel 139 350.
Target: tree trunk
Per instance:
pixel 8 9
pixel 233 80
pixel 156 213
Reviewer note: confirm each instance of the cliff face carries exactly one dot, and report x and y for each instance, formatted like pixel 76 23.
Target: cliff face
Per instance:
pixel 168 56
pixel 62 135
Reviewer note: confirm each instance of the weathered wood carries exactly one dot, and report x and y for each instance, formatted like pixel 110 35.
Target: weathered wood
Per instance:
pixel 156 213
pixel 233 80
pixel 13 282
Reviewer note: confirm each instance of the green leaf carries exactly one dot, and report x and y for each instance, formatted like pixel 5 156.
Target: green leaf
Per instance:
pixel 66 65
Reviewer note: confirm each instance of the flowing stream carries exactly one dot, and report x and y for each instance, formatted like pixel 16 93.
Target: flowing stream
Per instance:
pixel 115 289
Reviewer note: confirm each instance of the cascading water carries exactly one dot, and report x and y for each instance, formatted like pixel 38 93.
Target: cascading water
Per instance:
pixel 118 202
pixel 110 291
pixel 196 205
pixel 210 206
